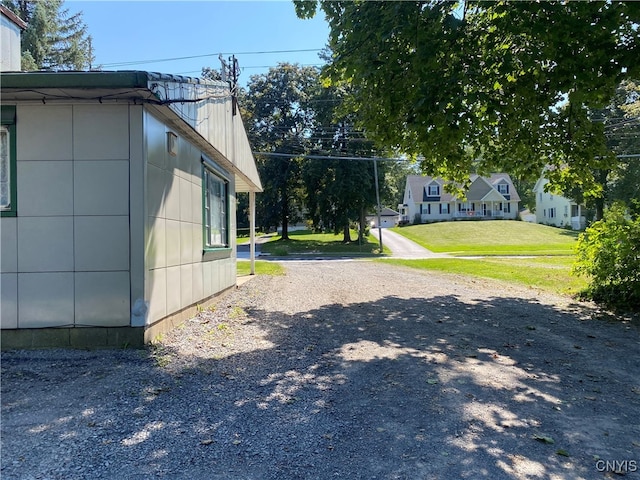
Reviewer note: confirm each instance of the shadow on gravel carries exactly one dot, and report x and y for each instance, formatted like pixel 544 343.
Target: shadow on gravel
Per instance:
pixel 394 389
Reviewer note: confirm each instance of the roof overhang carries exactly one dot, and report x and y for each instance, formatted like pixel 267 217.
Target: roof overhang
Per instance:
pixel 131 87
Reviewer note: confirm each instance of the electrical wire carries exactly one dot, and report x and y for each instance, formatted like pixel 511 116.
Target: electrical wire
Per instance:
pixel 172 59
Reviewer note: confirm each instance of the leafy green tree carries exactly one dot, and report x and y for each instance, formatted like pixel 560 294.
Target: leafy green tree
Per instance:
pixel 495 86
pixel 54 38
pixel 621 121
pixel 339 192
pixel 395 180
pixel 280 118
pixel 608 252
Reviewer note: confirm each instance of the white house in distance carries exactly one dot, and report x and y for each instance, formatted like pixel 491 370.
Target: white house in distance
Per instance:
pixel 492 197
pixel 556 210
pixel 10 30
pixel 118 204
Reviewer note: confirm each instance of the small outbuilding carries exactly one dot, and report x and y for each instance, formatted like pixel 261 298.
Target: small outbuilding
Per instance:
pixel 388 218
pixel 118 203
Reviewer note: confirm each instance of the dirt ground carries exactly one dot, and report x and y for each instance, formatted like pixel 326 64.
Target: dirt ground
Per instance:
pixel 340 369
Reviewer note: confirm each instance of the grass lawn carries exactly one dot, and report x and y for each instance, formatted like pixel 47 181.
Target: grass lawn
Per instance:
pixel 263 267
pixel 304 241
pixel 547 273
pixel 492 237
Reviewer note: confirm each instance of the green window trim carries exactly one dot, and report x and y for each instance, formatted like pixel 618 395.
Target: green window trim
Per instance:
pixel 8 122
pixel 215 228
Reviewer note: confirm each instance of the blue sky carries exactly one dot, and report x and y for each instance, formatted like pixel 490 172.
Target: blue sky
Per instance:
pixel 126 31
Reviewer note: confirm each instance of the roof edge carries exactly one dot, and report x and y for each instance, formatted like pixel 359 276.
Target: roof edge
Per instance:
pixel 95 79
pixel 13 17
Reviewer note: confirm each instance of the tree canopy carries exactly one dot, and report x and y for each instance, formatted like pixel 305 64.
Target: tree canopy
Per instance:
pixel 484 86
pixel 54 38
pixel 280 118
pixel 338 191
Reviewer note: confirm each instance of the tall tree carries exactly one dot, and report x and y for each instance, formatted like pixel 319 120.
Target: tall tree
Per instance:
pixel 340 192
pixel 621 121
pixel 510 85
pixel 280 117
pixel 54 39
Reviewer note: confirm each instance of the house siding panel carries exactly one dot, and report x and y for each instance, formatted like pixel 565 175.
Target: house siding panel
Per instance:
pixel 174 240
pixel 59 256
pixel 101 132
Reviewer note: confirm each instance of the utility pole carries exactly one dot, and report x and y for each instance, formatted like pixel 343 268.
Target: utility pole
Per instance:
pixel 375 173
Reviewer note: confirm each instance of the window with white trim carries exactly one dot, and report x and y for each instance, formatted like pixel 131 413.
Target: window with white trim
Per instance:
pixel 434 190
pixel 444 208
pixel 216 211
pixel 503 188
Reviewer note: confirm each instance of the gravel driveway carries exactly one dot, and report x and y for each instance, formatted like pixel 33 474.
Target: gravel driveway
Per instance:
pixel 340 369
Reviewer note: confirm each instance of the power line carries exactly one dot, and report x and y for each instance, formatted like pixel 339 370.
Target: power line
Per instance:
pixel 255 67
pixel 327 157
pixel 159 60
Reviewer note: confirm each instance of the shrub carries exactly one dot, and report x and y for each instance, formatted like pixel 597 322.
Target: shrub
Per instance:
pixel 608 252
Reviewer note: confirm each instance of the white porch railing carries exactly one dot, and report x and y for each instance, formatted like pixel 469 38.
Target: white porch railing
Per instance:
pixel 479 214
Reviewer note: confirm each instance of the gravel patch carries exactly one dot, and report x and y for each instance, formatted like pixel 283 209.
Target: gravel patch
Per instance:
pixel 340 369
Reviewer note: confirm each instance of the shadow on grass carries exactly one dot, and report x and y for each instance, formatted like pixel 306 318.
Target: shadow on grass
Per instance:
pixel 294 246
pixel 394 388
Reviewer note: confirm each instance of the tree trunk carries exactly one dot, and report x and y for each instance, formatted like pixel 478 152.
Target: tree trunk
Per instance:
pixel 363 225
pixel 601 175
pixel 285 218
pixel 599 203
pixel 347 234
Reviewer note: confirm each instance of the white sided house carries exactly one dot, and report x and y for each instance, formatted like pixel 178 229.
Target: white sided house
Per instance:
pixel 425 200
pixel 118 204
pixel 556 210
pixel 11 27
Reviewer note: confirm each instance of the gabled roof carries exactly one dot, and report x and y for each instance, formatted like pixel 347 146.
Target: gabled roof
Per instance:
pixel 13 17
pixel 198 109
pixel 484 185
pixel 385 212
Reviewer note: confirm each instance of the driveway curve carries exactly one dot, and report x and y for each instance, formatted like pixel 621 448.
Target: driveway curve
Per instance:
pixel 402 247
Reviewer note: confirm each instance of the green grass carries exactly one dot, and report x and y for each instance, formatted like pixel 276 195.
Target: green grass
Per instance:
pixel 262 267
pixel 492 237
pixel 547 273
pixel 306 242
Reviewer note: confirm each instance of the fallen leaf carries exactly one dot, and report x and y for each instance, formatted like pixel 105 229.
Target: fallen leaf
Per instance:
pixel 208 441
pixel 543 439
pixel 432 381
pixel 564 453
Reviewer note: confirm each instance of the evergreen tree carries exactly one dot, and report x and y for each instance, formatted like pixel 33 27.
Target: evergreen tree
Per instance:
pixel 54 38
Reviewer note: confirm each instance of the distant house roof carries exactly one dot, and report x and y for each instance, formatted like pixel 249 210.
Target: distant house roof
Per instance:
pixel 13 17
pixel 385 212
pixel 418 183
pixel 179 100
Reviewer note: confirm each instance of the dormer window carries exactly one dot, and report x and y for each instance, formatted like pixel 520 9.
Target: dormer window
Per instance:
pixel 503 188
pixel 434 190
